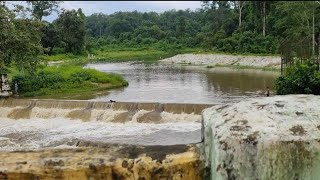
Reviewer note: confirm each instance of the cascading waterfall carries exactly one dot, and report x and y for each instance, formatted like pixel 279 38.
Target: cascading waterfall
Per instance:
pixel 37 124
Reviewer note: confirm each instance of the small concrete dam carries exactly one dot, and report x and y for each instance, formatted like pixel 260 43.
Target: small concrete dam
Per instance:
pixel 74 139
pixel 261 138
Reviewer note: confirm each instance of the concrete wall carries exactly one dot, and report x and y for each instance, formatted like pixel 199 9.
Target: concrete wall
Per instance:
pixel 264 138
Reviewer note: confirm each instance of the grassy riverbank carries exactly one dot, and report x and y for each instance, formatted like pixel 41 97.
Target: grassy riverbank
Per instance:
pixel 51 80
pixel 70 78
pixel 147 55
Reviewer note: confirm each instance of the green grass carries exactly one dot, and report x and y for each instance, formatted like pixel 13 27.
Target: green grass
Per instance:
pixel 106 54
pixel 66 79
pixel 122 54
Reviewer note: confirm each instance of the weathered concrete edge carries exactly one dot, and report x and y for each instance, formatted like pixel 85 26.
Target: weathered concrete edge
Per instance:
pixel 251 155
pixel 108 161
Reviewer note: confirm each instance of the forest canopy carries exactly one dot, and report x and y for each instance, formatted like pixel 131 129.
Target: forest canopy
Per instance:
pixel 226 26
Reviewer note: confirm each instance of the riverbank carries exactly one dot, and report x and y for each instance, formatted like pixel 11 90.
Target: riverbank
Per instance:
pixel 224 60
pixel 68 79
pixel 117 55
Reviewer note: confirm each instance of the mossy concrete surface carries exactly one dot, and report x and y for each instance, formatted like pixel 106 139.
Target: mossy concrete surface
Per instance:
pixel 264 138
pixel 104 161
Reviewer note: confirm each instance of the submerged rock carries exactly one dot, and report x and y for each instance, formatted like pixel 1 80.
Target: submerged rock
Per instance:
pixel 264 138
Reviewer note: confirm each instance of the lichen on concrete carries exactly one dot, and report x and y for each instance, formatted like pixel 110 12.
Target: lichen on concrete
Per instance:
pixel 109 161
pixel 264 138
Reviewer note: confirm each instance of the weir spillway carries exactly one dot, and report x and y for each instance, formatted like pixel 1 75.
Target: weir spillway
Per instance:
pixel 259 138
pixel 74 139
pixel 40 124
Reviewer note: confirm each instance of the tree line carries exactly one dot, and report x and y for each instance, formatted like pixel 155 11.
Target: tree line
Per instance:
pixel 227 26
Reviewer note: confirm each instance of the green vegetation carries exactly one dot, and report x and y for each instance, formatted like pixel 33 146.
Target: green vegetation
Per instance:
pixel 300 79
pixel 24 41
pixel 113 55
pixel 234 27
pixel 65 79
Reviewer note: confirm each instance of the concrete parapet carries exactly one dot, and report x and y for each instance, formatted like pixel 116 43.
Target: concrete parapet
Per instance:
pixel 264 138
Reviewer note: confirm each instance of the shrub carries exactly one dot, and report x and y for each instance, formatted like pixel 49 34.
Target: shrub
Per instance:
pixel 299 79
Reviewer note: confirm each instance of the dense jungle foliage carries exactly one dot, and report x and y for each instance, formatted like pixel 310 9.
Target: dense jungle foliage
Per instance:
pixel 227 26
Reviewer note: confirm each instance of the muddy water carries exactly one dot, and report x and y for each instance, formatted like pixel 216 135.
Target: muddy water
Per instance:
pixel 35 134
pixel 41 124
pixel 185 83
pixel 27 125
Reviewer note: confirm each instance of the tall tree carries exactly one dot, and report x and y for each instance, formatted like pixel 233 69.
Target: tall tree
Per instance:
pixel 240 7
pixel 42 9
pixel 71 27
pixel 19 40
pixel 7 27
pixel 50 37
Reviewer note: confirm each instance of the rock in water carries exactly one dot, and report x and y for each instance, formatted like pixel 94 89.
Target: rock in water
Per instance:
pixel 264 138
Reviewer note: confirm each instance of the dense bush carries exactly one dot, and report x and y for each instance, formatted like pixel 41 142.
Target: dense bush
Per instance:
pixel 247 42
pixel 299 79
pixel 64 78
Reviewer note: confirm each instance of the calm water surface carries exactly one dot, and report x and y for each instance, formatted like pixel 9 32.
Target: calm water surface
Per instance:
pixel 185 84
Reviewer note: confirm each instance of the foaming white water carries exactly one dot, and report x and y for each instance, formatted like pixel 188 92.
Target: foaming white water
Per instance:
pixel 105 115
pixel 169 117
pixel 45 113
pixel 5 111
pixel 39 133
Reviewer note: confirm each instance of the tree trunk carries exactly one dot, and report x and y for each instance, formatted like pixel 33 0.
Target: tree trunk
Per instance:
pixel 241 4
pixel 313 34
pixel 264 19
pixel 240 18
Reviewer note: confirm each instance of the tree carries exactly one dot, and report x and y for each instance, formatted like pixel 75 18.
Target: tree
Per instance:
pixel 26 44
pixel 40 9
pixel 293 19
pixel 19 40
pixel 240 7
pixel 7 27
pixel 50 37
pixel 72 31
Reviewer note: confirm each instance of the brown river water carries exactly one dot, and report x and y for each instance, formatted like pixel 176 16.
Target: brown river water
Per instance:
pixel 33 125
pixel 185 83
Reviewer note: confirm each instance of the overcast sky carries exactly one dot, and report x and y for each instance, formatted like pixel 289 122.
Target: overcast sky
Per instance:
pixel 109 7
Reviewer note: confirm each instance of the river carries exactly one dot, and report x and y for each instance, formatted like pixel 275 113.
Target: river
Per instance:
pixel 184 83
pixel 54 124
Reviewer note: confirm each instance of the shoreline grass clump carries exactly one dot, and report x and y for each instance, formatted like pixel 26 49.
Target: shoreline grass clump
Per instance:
pixel 65 78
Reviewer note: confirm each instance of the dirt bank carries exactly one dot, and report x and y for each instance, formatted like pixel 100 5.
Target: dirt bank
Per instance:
pixel 226 60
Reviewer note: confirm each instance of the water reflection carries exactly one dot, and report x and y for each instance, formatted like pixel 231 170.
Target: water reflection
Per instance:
pixel 184 84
